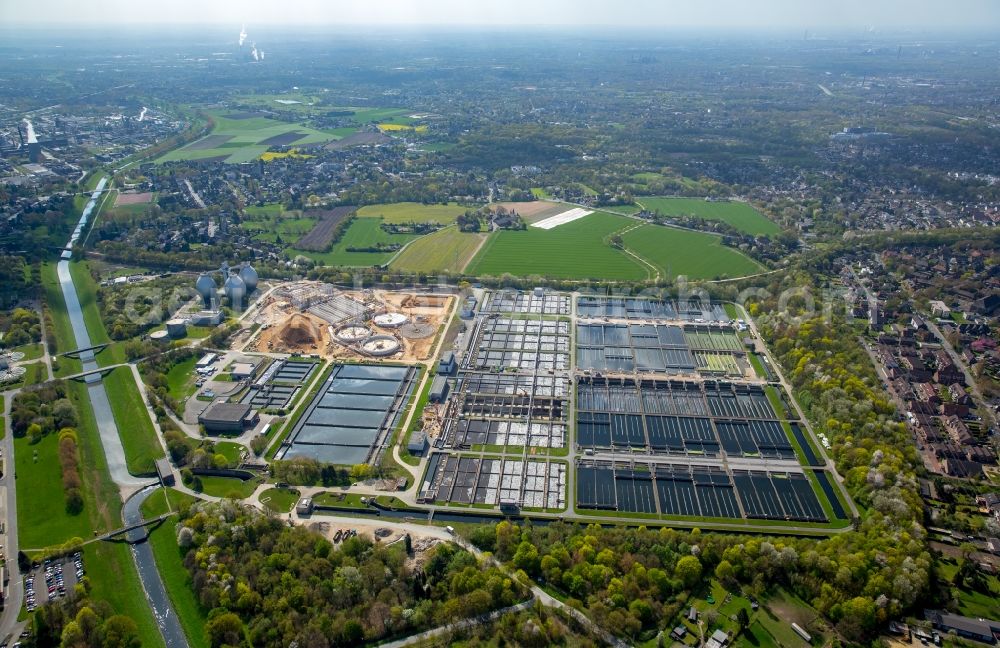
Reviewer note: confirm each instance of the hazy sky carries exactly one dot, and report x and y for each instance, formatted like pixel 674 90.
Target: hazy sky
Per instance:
pixel 728 14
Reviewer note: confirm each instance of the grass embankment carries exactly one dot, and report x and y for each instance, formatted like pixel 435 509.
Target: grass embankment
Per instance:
pixel 43 521
pixel 142 447
pixel 86 290
pixel 170 563
pixel 62 329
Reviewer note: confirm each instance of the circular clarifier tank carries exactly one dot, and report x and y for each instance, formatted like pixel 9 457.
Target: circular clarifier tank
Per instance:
pixel 390 320
pixel 353 333
pixel 380 345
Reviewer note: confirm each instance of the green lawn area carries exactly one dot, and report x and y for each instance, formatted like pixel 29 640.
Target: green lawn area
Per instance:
pixel 231 451
pixel 411 212
pixel 280 499
pixel 242 140
pixel 41 509
pixel 43 521
pixel 756 637
pixel 170 564
pixel 227 486
pixel 142 447
pixel 63 330
pixel 30 351
pixel 971 602
pixel 447 250
pixel 350 500
pixel 576 250
pixel 740 215
pixel 181 379
pixel 362 233
pixel 683 252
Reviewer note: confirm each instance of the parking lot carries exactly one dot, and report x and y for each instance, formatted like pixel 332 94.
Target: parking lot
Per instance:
pixel 52 580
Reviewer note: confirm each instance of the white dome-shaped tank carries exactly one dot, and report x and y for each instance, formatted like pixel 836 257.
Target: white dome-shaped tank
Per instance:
pixel 390 320
pixel 249 277
pixel 160 337
pixel 206 288
pixel 236 290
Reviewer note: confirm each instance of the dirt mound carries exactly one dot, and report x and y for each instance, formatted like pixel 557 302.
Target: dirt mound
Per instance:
pixel 299 330
pixel 424 301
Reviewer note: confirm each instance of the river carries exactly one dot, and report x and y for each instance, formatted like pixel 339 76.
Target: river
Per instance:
pixel 142 553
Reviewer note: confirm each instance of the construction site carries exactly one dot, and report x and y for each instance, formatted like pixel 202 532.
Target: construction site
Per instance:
pixel 314 318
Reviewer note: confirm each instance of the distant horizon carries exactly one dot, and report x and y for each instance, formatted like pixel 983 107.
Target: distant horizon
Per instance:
pixel 803 33
pixel 722 15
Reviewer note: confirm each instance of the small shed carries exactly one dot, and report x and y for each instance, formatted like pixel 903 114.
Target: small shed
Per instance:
pixel 165 472
pixel 304 506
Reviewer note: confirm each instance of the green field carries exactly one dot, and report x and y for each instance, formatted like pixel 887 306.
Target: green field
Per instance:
pixel 267 222
pixel 240 140
pixel 142 447
pixel 363 232
pixel 740 215
pixel 310 104
pixel 683 252
pixel 446 250
pixel 576 250
pixel 410 212
pixel 43 521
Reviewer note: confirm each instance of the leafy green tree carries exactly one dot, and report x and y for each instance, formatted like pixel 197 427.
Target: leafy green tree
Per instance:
pixel 724 571
pixel 688 570
pixel 120 631
pixel 225 629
